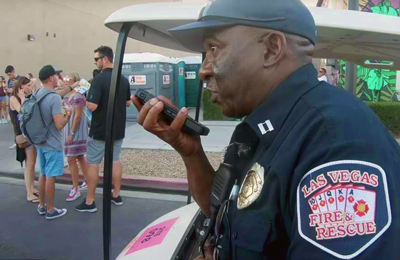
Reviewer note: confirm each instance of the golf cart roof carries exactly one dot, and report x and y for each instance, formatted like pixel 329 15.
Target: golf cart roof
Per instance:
pixel 192 60
pixel 348 35
pixel 148 57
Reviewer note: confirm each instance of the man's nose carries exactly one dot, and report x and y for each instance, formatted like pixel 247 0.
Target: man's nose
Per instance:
pixel 206 71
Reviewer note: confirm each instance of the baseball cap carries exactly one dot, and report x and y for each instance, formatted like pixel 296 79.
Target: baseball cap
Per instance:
pixel 47 71
pixel 288 16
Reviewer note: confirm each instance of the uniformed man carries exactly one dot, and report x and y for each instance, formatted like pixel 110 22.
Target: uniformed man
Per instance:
pixel 320 178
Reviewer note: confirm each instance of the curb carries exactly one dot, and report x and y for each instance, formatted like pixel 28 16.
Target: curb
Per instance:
pixel 141 182
pixel 155 184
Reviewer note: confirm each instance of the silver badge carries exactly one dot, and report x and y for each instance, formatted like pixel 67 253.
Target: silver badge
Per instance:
pixel 251 186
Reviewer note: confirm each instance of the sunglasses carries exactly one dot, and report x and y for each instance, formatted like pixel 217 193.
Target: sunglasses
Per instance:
pixel 98 58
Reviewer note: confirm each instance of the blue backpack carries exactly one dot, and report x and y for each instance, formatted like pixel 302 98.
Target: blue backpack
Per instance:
pixel 31 120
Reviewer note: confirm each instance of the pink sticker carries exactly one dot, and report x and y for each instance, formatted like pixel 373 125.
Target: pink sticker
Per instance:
pixel 152 236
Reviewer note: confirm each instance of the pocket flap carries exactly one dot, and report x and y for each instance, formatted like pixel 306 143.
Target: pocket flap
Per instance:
pixel 251 230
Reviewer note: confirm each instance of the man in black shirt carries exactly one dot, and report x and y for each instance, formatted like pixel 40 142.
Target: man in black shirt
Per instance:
pixel 97 102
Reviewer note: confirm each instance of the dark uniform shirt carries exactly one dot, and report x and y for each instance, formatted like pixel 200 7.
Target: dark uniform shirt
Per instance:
pixel 99 93
pixel 323 181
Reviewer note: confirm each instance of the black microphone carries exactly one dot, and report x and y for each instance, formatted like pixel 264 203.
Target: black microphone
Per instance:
pixel 221 187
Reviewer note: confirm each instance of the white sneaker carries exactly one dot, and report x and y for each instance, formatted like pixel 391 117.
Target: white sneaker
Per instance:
pixel 83 186
pixel 12 147
pixel 1 121
pixel 74 194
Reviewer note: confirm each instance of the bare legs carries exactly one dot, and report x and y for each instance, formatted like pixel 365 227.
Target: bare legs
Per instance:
pixel 29 174
pixel 46 192
pixel 84 165
pixel 93 177
pixel 42 190
pixel 3 110
pixel 117 176
pixel 73 167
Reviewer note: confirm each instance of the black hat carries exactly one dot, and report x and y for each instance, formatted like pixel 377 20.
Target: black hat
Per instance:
pixel 289 16
pixel 47 71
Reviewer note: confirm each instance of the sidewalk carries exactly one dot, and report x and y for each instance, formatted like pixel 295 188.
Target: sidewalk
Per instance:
pixel 136 138
pixel 216 141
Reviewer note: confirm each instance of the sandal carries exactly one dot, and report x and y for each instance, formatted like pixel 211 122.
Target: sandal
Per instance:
pixel 34 200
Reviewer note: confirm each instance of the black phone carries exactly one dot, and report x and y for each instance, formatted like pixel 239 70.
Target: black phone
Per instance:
pixel 170 112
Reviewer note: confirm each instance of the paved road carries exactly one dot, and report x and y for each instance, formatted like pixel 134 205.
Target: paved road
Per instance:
pixel 24 234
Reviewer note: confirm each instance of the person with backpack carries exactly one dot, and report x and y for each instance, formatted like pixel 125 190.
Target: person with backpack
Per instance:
pixel 48 138
pixel 24 152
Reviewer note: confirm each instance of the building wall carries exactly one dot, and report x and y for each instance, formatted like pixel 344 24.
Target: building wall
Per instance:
pixel 75 28
pixel 335 4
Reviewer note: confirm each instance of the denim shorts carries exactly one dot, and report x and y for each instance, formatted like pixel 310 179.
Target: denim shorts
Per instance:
pixel 51 162
pixel 3 99
pixel 95 150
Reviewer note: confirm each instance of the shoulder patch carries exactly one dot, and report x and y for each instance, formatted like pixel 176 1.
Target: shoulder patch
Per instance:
pixel 343 207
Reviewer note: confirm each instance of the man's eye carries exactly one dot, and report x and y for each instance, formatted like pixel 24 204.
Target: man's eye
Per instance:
pixel 214 48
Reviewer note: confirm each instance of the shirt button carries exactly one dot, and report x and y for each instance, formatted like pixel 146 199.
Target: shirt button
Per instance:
pixel 235 235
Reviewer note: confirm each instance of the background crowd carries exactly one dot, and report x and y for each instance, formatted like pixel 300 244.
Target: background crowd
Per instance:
pixel 74 120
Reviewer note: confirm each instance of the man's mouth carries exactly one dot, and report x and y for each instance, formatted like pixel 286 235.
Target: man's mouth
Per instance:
pixel 211 89
pixel 214 94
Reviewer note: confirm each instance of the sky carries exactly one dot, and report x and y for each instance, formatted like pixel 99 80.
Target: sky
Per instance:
pixel 310 2
pixel 306 2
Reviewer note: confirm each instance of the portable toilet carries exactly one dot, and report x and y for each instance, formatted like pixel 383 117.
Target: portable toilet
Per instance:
pixel 180 89
pixel 192 80
pixel 150 71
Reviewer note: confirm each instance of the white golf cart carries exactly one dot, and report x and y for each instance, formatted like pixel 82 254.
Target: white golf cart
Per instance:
pixel 353 36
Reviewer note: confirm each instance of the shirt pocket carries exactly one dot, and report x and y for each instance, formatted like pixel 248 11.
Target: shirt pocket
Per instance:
pixel 249 235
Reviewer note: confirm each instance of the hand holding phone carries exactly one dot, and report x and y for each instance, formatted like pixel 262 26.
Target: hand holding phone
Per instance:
pixel 170 113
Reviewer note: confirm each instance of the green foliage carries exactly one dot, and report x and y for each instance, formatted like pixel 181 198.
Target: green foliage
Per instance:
pixel 386 8
pixel 210 110
pixel 389 113
pixel 372 84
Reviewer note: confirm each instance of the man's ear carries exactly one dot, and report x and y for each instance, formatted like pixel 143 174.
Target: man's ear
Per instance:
pixel 274 48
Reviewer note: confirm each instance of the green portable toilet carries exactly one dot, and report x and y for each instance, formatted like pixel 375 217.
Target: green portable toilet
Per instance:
pixel 150 71
pixel 180 91
pixel 192 80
